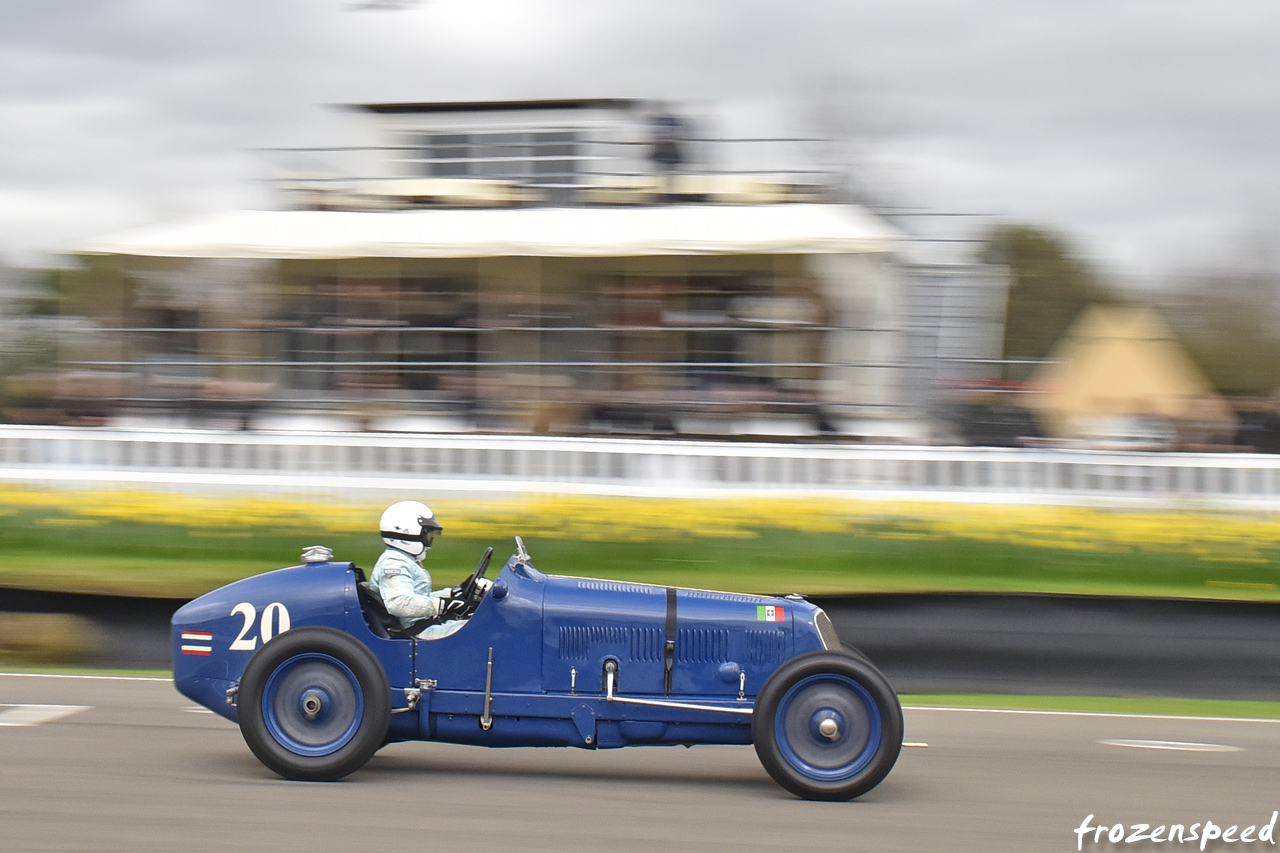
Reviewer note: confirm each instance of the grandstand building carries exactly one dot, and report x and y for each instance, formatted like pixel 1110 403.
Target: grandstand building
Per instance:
pixel 583 267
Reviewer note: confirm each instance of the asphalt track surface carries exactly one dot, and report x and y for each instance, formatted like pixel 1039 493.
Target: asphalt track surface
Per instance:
pixel 141 769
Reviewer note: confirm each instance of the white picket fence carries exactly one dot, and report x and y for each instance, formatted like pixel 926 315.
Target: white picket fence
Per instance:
pixel 333 465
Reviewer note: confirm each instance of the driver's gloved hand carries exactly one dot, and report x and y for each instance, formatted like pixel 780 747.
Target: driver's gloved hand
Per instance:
pixel 483 585
pixel 452 607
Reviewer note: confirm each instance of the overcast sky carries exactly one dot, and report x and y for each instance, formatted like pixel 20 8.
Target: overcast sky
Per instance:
pixel 1148 131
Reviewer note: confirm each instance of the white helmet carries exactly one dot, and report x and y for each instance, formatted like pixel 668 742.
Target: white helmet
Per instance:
pixel 410 526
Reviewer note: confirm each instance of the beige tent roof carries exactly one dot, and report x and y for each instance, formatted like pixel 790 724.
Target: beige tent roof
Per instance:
pixel 1123 362
pixel 676 229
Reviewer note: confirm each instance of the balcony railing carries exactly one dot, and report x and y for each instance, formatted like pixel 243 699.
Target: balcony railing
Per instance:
pixel 583 170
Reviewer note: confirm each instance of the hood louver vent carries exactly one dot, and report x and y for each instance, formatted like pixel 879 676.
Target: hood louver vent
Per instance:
pixel 612 586
pixel 724 596
pixel 702 645
pixel 577 642
pixel 764 647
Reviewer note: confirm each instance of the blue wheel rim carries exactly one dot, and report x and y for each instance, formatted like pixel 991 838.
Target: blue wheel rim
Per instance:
pixel 313 704
pixel 798 727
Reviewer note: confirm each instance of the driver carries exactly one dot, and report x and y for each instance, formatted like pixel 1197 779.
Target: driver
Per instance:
pixel 408 528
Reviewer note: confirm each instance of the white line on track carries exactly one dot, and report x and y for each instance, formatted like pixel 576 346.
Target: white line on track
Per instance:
pixel 946 708
pixel 34 715
pixel 1036 713
pixel 93 677
pixel 1174 745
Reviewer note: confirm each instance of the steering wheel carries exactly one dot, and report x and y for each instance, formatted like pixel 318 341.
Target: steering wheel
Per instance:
pixel 471 592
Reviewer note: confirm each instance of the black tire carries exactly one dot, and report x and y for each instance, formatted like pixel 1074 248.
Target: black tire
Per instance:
pixel 314 704
pixel 856 653
pixel 827 726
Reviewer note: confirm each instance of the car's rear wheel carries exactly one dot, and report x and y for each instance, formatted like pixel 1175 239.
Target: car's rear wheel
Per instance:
pixel 314 704
pixel 827 726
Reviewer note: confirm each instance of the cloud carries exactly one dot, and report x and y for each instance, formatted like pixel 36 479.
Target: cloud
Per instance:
pixel 1137 125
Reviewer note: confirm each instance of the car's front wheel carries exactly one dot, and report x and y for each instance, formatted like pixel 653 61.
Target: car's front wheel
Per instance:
pixel 827 726
pixel 854 652
pixel 314 704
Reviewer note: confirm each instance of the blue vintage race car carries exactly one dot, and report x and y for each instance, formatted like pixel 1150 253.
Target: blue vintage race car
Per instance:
pixel 310 665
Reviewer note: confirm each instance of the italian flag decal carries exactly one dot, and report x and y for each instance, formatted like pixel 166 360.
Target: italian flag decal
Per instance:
pixel 771 614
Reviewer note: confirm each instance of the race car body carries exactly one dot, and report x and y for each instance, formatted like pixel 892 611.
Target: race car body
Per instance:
pixel 310 666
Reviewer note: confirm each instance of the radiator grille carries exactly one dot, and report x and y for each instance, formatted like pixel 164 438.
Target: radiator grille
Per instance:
pixel 827 631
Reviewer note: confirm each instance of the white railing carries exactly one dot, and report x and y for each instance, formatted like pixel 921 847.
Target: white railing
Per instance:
pixel 338 464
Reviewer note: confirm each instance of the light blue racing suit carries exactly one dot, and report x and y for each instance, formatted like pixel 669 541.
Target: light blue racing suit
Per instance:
pixel 405 587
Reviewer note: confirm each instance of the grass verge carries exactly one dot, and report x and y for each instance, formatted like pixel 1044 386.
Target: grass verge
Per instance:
pixel 180 546
pixel 20 668
pixel 1099 704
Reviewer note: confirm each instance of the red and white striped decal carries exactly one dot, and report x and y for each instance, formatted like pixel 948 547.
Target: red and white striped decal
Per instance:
pixel 194 637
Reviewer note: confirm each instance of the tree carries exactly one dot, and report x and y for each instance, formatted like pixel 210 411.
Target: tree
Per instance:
pixel 28 336
pixel 1228 319
pixel 1048 288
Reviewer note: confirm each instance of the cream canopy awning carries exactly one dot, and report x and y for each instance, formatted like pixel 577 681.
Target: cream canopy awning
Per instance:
pixel 1123 362
pixel 505 232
